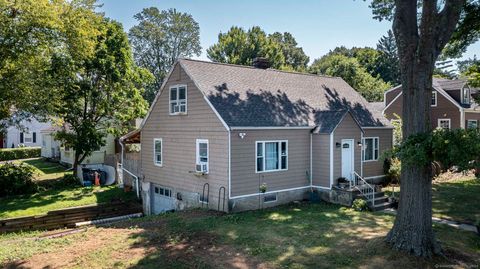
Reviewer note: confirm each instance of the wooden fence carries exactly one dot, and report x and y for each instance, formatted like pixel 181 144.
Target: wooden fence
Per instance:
pixel 66 218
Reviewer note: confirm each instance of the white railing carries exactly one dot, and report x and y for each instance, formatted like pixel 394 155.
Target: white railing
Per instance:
pixel 367 190
pixel 121 169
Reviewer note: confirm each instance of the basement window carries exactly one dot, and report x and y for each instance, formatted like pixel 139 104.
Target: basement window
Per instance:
pixel 270 198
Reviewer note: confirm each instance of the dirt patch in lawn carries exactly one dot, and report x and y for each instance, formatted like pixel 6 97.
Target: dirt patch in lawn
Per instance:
pixel 145 244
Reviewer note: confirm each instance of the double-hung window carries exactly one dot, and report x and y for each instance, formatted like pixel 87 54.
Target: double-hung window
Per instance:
pixel 271 156
pixel 158 149
pixel 202 156
pixel 472 124
pixel 178 99
pixel 433 102
pixel 466 95
pixel 444 123
pixel 370 148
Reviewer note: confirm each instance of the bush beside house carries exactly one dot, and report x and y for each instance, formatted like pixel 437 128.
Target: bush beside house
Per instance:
pixel 19 153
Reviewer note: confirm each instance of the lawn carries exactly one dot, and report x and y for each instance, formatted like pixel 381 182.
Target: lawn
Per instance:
pixel 455 197
pixel 293 236
pixel 54 194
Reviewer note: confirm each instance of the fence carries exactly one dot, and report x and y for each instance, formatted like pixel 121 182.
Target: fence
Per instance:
pixel 66 218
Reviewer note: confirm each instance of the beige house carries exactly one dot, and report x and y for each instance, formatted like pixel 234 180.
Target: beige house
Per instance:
pixel 235 138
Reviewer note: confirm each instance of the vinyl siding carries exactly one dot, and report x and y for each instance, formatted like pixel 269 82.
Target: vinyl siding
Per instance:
pixel 385 137
pixel 347 129
pixel 444 109
pixel 245 180
pixel 389 96
pixel 179 134
pixel 321 160
pixel 472 116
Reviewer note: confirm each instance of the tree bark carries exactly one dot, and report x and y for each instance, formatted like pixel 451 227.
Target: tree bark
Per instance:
pixel 418 49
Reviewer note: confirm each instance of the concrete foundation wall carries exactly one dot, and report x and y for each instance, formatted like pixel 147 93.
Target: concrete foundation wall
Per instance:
pixel 256 202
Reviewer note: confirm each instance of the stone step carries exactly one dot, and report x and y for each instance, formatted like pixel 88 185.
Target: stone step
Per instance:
pixel 380 199
pixel 381 206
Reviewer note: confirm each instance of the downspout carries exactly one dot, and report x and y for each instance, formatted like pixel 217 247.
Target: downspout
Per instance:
pixel 462 118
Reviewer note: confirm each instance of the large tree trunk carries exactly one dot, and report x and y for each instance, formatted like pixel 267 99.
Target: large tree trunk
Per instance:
pixel 418 48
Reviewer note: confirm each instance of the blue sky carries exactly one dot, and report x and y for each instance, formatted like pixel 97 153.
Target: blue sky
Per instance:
pixel 318 26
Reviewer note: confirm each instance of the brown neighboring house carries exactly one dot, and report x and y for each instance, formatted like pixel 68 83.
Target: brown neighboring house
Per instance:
pixel 217 132
pixel 452 104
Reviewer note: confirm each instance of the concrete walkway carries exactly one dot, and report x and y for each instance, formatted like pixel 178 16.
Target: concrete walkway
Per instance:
pixel 455 224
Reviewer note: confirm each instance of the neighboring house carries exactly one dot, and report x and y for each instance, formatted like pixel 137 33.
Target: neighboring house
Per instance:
pixel 28 136
pixel 67 155
pixel 217 132
pixel 50 146
pixel 452 104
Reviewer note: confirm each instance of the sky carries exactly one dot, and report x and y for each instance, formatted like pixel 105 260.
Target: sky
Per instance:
pixel 318 26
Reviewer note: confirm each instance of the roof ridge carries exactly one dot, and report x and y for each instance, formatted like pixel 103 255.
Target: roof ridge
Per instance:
pixel 254 68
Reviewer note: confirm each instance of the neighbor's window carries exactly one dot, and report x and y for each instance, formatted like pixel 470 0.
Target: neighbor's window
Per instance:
pixel 157 154
pixel 271 156
pixel 370 149
pixel 434 98
pixel 444 123
pixel 178 99
pixel 27 138
pixel 202 155
pixel 466 95
pixel 472 124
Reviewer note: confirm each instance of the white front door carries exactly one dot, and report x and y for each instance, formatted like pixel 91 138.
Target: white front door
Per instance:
pixel 347 158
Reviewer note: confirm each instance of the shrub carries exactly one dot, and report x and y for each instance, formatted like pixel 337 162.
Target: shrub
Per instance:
pixel 360 205
pixel 19 153
pixel 16 179
pixel 70 180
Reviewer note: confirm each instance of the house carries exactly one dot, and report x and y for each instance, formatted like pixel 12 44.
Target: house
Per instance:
pixel 29 135
pixel 452 104
pixel 50 146
pixel 217 134
pixel 100 156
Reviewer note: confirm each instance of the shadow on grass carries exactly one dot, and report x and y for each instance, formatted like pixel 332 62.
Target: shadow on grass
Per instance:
pixel 303 236
pixel 46 167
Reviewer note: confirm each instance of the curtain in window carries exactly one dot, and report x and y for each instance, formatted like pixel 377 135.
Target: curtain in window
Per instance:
pixel 271 161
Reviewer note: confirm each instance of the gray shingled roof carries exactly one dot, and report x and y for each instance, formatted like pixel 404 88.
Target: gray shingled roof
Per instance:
pixel 378 106
pixel 449 84
pixel 246 96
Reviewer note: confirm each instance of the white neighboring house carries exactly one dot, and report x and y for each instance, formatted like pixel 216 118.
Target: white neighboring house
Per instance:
pixel 30 136
pixel 97 157
pixel 50 146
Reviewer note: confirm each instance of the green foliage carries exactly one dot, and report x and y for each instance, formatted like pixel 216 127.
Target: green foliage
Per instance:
pixel 372 88
pixel 360 205
pixel 99 87
pixel 393 169
pixel 19 153
pixel 159 39
pixel 16 179
pixel 470 69
pixel 69 180
pixel 240 47
pixel 387 64
pixel 294 56
pixel 458 147
pixel 397 130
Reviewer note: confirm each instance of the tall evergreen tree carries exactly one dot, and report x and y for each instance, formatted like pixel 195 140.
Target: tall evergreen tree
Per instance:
pixel 294 56
pixel 388 63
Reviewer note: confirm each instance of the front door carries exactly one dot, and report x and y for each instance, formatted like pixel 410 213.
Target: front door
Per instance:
pixel 347 158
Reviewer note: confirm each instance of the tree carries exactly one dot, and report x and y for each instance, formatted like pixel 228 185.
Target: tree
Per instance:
pixel 372 88
pixel 28 31
pixel 98 86
pixel 294 56
pixel 422 29
pixel 240 47
pixel 159 39
pixel 388 62
pixel 470 69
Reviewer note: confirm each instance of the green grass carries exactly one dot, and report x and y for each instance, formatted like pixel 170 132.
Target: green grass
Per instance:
pixel 455 199
pixel 294 236
pixel 54 194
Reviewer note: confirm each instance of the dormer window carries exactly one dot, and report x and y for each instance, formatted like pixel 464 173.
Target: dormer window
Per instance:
pixel 466 95
pixel 178 99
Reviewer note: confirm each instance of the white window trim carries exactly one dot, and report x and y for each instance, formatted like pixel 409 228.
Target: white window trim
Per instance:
pixel 476 122
pixel 29 136
pixel 436 99
pixel 170 101
pixel 155 154
pixel 264 158
pixel 445 119
pixel 373 153
pixel 170 191
pixel 197 159
pixel 468 95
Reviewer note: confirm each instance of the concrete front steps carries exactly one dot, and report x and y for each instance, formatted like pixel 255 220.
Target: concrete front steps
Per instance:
pixel 381 202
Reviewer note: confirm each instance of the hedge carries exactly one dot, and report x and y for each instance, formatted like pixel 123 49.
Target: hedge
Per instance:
pixel 19 153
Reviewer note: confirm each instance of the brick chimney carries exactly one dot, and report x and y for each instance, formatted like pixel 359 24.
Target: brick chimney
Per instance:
pixel 261 62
